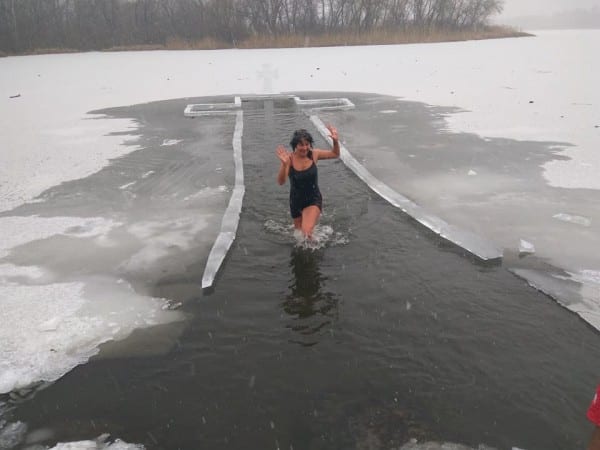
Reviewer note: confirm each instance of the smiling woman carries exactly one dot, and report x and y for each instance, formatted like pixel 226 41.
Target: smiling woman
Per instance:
pixel 300 166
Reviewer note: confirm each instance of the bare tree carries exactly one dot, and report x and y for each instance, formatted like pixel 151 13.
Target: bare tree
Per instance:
pixel 96 24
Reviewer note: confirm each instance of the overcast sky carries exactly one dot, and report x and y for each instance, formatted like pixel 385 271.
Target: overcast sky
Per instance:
pixel 514 8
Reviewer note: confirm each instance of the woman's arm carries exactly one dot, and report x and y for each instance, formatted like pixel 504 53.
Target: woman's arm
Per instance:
pixel 335 150
pixel 284 167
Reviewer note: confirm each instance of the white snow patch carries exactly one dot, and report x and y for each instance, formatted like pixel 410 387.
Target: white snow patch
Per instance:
pixel 125 186
pixel 570 218
pixel 49 154
pixel 17 230
pixel 207 192
pixel 101 443
pixel 49 325
pixel 51 328
pixel 169 142
pixel 11 434
pixel 587 276
pixel 414 445
pixel 60 144
pixel 161 239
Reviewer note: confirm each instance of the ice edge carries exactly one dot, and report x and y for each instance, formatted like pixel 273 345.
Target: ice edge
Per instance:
pixel 473 243
pixel 231 217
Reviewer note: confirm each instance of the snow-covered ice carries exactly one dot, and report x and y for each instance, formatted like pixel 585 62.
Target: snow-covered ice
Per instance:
pixel 528 94
pixel 101 443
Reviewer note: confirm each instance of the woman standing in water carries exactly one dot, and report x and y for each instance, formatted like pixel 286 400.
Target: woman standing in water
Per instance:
pixel 300 166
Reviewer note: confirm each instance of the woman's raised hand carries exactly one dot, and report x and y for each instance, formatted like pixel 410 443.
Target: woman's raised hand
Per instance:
pixel 333 133
pixel 284 156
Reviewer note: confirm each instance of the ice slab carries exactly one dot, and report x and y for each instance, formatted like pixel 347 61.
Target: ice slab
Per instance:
pixel 100 443
pixel 162 240
pixel 526 247
pixel 16 435
pixel 31 167
pixel 211 109
pixel 11 434
pixel 315 104
pixel 571 218
pixel 52 327
pixel 325 104
pixel 231 217
pixel 576 292
pixel 170 142
pixel 19 230
pixel 465 239
pixel 414 445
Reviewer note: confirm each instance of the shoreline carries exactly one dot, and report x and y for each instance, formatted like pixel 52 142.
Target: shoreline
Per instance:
pixel 380 37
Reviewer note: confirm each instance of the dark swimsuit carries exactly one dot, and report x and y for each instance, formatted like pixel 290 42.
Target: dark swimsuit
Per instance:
pixel 305 189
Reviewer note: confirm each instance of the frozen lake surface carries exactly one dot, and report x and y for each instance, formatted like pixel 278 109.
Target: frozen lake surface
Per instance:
pixel 110 206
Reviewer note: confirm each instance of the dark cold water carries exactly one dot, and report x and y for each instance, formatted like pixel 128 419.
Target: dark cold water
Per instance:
pixel 384 334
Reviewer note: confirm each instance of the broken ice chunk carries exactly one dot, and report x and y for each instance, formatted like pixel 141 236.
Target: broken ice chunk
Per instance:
pixel 526 247
pixel 578 220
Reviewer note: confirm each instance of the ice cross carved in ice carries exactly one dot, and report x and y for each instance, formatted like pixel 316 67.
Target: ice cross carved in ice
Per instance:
pixel 316 104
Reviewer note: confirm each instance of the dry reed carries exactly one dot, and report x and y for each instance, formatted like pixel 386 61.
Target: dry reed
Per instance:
pixel 375 37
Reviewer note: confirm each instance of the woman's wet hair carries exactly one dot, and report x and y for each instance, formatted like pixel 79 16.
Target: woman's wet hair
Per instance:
pixel 299 135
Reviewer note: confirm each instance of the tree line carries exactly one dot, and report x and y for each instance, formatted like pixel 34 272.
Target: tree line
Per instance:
pixel 26 25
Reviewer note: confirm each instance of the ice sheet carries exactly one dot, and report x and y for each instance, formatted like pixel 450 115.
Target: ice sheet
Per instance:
pixel 528 94
pixel 61 325
pixel 56 143
pixel 93 445
pixel 16 435
pixel 51 324
pixel 414 445
pixel 471 242
pixel 578 292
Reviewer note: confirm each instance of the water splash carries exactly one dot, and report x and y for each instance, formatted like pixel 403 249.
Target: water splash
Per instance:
pixel 323 235
pixel 320 237
pixel 284 229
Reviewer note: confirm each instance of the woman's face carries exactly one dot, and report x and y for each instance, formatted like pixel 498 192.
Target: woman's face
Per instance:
pixel 302 148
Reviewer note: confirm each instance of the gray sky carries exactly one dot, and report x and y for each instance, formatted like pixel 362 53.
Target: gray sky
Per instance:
pixel 515 8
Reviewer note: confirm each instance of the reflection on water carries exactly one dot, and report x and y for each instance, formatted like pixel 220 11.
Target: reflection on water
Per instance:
pixel 312 309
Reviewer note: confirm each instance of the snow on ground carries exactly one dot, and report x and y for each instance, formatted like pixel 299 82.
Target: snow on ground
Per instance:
pixel 98 444
pixel 49 139
pixel 540 88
